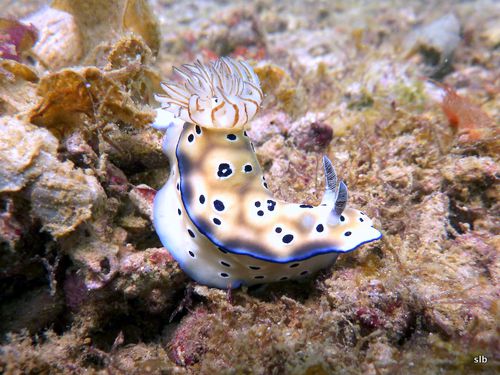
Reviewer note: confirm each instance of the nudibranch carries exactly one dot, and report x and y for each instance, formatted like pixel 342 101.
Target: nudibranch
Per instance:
pixel 215 213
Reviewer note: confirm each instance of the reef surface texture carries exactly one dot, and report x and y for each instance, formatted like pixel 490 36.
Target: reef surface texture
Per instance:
pixel 402 96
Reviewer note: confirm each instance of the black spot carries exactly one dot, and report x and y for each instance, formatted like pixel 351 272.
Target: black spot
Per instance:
pixel 265 185
pixel 284 278
pixel 191 233
pixel 219 206
pixel 225 264
pixel 361 219
pixel 260 213
pixel 278 230
pixel 191 253
pixel 178 187
pixel 287 238
pixel 305 206
pixel 222 250
pixel 257 204
pixel 190 138
pixel 197 129
pixel 342 218
pixel 320 228
pixel 294 265
pixel 251 145
pixel 361 212
pixel 245 133
pixel 247 168
pixel 347 234
pixel 216 221
pixel 179 211
pixel 304 273
pixel 224 170
pixel 271 204
pixel 231 137
pixel 223 274
pixel 258 277
pixel 254 267
pixel 202 199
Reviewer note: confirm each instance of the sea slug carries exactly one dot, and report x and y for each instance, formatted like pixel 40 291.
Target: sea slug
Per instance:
pixel 215 213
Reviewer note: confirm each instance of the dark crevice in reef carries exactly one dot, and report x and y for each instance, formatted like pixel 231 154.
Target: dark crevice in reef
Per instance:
pixel 30 298
pixel 414 327
pixel 132 319
pixel 145 239
pixel 463 211
pixel 63 321
pixel 34 304
pixel 188 300
pixel 459 214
